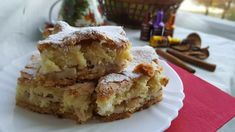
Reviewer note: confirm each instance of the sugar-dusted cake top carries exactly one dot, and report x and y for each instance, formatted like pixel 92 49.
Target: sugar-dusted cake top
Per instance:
pixel 65 34
pixel 31 68
pixel 145 54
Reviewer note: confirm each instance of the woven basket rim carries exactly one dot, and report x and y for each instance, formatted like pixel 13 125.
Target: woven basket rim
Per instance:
pixel 160 2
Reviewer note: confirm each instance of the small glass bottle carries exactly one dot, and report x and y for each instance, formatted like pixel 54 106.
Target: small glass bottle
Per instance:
pixel 158 25
pixel 163 41
pixel 170 26
pixel 146 28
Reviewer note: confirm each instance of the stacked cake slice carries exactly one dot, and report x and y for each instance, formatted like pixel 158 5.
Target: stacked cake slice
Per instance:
pixel 137 87
pixel 82 73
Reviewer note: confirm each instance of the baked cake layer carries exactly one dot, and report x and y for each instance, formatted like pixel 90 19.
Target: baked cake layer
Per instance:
pixel 122 115
pixel 71 101
pixel 86 53
pixel 141 82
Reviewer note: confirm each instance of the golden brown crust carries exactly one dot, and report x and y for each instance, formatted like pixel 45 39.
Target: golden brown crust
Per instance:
pixel 115 116
pixel 118 116
pixel 145 68
pixel 53 110
pixel 164 81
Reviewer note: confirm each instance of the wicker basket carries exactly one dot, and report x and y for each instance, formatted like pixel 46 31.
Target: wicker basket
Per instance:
pixel 130 13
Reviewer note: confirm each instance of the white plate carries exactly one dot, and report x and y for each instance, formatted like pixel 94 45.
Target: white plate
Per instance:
pixel 156 118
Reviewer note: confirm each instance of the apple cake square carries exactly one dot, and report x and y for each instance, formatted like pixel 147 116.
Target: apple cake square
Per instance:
pixel 139 86
pixel 85 53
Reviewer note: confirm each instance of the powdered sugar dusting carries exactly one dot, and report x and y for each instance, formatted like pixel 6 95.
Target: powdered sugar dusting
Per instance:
pixel 34 60
pixel 144 54
pixel 32 66
pixel 114 33
pixel 114 77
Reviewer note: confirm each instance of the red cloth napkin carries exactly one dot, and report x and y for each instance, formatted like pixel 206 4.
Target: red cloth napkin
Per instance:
pixel 206 108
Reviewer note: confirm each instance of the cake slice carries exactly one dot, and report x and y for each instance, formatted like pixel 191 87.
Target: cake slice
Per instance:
pixel 68 101
pixel 137 87
pixel 83 53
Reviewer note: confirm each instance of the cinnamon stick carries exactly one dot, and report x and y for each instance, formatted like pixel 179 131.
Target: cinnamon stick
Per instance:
pixel 192 60
pixel 175 60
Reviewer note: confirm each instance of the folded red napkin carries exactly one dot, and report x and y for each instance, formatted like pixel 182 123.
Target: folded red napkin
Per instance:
pixel 206 108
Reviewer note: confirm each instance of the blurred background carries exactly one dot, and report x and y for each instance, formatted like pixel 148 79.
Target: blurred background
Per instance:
pixel 210 16
pixel 224 9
